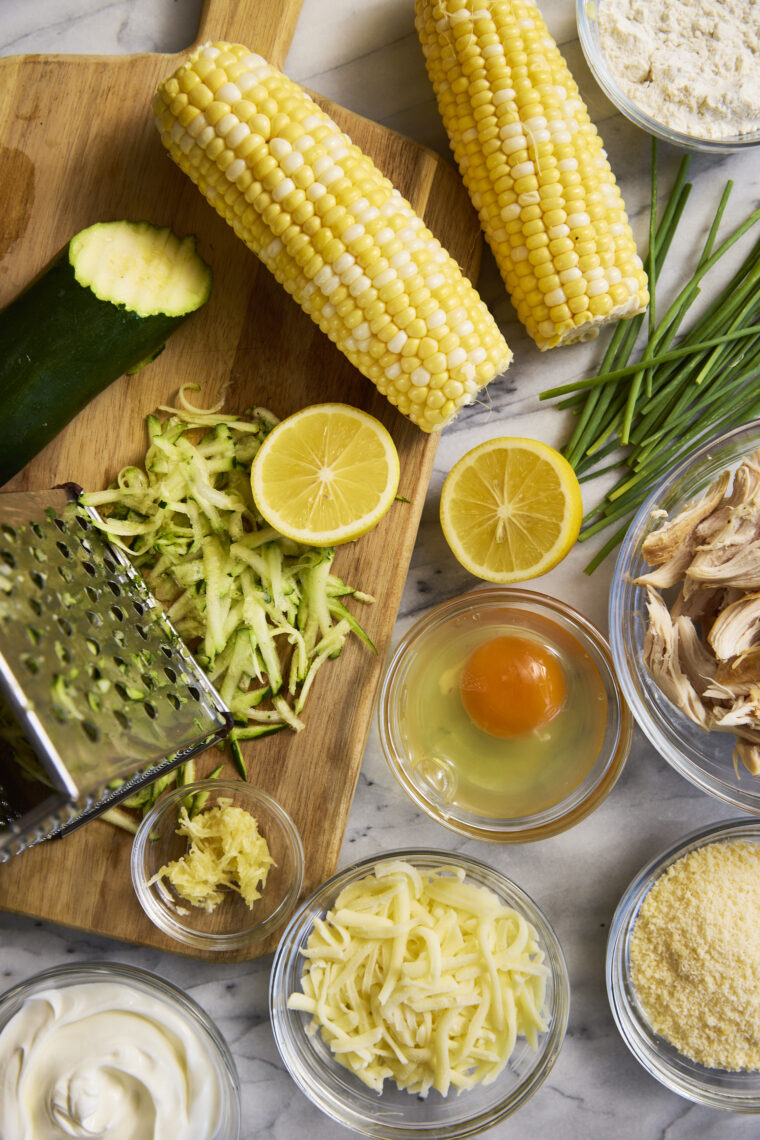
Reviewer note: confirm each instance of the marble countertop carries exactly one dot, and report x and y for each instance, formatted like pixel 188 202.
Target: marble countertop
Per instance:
pixel 365 55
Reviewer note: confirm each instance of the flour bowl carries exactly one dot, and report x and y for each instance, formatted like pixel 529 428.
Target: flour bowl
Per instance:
pixel 587 18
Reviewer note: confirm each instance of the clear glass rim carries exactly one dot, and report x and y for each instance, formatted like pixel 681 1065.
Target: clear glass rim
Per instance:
pixel 72 973
pixel 164 919
pixel 589 794
pixel 283 1019
pixel 587 24
pixel 640 1040
pixel 622 601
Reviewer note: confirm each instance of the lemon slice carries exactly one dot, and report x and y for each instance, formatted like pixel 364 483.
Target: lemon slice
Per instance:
pixel 511 509
pixel 325 475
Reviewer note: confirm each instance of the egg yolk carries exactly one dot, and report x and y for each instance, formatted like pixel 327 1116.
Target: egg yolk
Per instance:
pixel 511 686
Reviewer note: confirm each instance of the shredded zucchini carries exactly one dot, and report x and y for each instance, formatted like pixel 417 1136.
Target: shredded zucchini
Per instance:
pixel 260 613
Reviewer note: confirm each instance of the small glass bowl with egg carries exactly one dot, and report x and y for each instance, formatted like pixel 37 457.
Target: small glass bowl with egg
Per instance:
pixel 91 1049
pixel 231 925
pixel 393 1112
pixel 500 715
pixel 738 1091
pixel 588 16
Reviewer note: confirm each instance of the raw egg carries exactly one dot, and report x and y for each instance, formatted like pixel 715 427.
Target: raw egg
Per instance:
pixel 511 686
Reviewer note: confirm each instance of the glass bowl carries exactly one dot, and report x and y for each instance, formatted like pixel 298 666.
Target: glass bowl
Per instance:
pixel 587 19
pixel 430 777
pixel 232 925
pixel 704 758
pixel 210 1048
pixel 717 1088
pixel 395 1114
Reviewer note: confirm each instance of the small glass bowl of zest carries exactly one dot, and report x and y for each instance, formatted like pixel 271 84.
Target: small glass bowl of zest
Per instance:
pixel 735 1090
pixel 512 781
pixel 394 1113
pixel 77 1042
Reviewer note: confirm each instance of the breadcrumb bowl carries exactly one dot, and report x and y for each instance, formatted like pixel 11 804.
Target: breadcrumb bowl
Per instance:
pixel 393 1113
pixel 736 1091
pixel 705 758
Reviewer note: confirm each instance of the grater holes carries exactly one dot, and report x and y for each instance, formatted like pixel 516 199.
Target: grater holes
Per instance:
pixel 141 630
pixel 8 532
pixel 151 710
pixel 171 674
pixel 117 612
pixel 167 652
pixel 92 645
pixel 65 573
pixel 121 718
pixel 37 529
pixel 94 618
pixel 82 522
pixel 194 693
pixel 109 564
pixel 174 700
pixel 31 663
pixel 35 605
pixel 64 625
pixel 38 578
pixel 90 731
pixel 119 637
pixel 88 566
pixel 139 608
pixel 63 547
pixel 8 558
pixel 60 524
pixel 92 593
pixel 114 587
pixel 93 672
pixel 62 653
pixel 148 681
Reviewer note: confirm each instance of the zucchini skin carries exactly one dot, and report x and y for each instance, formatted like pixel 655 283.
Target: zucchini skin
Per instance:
pixel 59 347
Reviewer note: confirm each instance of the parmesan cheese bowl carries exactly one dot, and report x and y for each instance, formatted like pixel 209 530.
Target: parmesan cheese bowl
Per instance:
pixel 231 925
pixel 387 1111
pixel 588 14
pixel 737 1091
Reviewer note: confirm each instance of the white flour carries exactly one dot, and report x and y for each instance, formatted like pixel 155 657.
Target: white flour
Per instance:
pixel 693 65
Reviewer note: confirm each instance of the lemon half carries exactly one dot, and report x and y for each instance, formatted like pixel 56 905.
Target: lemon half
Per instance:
pixel 511 509
pixel 325 475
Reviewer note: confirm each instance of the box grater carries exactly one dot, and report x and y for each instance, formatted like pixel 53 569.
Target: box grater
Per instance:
pixel 97 690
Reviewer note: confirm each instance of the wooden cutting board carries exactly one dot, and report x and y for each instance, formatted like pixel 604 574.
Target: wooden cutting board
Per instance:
pixel 79 146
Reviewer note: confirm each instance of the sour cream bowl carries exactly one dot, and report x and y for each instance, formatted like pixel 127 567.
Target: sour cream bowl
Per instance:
pixel 76 1036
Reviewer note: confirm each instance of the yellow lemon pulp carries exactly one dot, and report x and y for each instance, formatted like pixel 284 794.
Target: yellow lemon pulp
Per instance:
pixel 325 475
pixel 511 509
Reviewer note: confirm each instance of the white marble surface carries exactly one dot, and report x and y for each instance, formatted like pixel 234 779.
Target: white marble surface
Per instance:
pixel 364 54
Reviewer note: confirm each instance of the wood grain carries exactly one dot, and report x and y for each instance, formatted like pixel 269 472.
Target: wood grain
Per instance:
pixel 79 146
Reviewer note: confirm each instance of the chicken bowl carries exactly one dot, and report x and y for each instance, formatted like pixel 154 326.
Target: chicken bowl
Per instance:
pixel 685 618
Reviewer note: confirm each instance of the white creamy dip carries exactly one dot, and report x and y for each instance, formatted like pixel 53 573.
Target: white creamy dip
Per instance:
pixel 693 65
pixel 102 1060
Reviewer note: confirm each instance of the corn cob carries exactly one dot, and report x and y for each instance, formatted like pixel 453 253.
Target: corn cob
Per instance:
pixel 332 229
pixel 534 166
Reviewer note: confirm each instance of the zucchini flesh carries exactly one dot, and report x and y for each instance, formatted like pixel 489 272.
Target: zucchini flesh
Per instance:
pixel 104 306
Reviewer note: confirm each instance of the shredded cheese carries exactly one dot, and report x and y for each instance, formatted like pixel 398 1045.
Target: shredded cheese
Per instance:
pixel 225 852
pixel 427 980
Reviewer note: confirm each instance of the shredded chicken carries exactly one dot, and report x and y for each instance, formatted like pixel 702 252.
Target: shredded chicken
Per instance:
pixel 703 650
pixel 661 657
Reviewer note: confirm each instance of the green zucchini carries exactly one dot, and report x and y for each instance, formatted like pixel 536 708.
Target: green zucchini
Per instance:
pixel 104 306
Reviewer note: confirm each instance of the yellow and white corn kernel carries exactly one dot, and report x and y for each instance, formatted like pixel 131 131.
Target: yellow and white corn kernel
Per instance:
pixel 332 229
pixel 534 166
